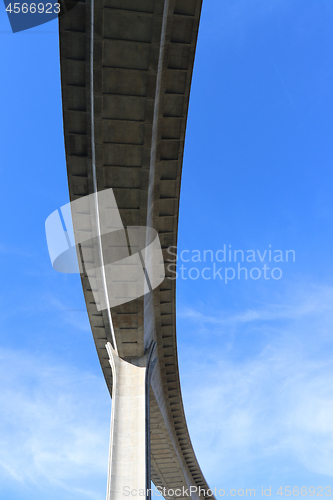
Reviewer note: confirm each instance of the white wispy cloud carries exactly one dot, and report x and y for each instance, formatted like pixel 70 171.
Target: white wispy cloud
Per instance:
pixel 253 414
pixel 271 411
pixel 28 302
pixel 54 429
pixel 75 317
pixel 298 303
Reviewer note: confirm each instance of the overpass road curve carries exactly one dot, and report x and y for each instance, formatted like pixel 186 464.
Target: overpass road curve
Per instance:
pixel 126 69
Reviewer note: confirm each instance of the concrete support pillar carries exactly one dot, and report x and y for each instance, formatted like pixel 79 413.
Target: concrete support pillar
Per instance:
pixel 129 457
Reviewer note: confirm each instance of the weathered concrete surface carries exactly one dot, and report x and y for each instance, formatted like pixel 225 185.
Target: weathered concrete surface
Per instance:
pixel 129 457
pixel 143 54
pixel 127 462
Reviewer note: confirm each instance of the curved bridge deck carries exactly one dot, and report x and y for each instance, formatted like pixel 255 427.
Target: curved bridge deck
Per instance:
pixel 143 55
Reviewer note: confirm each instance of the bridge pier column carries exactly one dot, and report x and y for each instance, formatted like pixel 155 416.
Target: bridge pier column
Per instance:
pixel 129 455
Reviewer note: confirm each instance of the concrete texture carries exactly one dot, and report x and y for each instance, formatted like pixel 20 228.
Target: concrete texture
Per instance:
pixel 125 108
pixel 129 442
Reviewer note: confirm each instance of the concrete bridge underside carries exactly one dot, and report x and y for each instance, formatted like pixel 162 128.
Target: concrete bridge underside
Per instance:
pixel 139 76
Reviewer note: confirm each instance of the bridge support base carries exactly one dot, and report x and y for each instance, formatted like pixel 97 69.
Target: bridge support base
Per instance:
pixel 129 456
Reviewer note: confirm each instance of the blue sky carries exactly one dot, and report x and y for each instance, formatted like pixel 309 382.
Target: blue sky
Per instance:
pixel 255 355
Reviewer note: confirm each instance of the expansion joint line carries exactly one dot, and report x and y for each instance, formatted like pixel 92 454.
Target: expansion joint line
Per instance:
pixel 93 163
pixel 152 166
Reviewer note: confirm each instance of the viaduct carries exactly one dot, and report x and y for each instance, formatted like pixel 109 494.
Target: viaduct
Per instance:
pixel 126 69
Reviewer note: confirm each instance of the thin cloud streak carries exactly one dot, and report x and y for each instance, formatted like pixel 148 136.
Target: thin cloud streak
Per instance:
pixel 54 428
pixel 295 305
pixel 271 409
